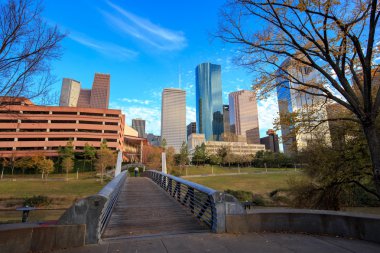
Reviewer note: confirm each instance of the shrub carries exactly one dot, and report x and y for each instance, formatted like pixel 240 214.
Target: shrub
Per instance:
pixel 37 201
pixel 240 195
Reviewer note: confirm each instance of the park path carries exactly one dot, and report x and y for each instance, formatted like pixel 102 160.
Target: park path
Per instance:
pixel 144 209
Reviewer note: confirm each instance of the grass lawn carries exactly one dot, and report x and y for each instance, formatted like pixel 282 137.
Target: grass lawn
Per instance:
pixel 256 183
pixel 203 170
pixel 61 192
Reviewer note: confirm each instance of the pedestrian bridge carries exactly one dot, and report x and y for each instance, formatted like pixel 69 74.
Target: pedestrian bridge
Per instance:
pixel 155 204
pixel 163 213
pixel 143 208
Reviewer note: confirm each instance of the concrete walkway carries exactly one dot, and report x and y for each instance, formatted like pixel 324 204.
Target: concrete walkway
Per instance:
pixel 144 209
pixel 222 243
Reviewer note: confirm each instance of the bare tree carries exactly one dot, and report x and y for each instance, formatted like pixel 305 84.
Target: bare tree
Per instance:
pixel 335 38
pixel 27 45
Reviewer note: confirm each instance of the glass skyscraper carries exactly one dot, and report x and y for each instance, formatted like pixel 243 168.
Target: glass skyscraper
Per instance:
pixel 292 101
pixel 244 119
pixel 209 103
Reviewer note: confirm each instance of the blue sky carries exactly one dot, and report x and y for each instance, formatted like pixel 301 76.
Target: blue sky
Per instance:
pixel 144 45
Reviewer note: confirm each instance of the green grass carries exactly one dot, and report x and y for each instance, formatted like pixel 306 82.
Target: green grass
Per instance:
pixel 11 216
pixel 256 183
pixel 205 170
pixel 60 192
pixel 63 193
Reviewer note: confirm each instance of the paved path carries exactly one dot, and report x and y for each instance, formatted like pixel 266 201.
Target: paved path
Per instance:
pixel 143 208
pixel 223 243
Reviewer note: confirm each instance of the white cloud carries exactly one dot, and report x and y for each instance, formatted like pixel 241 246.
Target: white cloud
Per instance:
pixel 144 30
pixel 152 116
pixel 105 48
pixel 136 101
pixel 268 111
pixel 190 115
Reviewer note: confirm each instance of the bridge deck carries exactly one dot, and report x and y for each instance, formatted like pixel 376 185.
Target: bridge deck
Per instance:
pixel 143 208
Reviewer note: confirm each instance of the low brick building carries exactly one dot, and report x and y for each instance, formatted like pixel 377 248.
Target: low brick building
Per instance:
pixel 27 129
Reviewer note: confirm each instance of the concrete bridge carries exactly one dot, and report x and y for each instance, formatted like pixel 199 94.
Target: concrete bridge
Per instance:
pixel 163 213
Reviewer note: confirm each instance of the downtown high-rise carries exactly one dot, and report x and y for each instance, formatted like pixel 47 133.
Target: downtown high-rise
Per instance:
pixel 292 100
pixel 73 95
pixel 244 120
pixel 139 126
pixel 173 118
pixel 209 104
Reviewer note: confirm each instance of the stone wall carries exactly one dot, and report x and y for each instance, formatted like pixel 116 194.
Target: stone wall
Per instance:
pixel 35 238
pixel 360 226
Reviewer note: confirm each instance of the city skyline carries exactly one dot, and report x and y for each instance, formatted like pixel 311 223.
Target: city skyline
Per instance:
pixel 171 43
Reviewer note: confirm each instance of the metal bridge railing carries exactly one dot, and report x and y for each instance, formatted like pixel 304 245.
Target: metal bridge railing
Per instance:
pixel 111 191
pixel 201 200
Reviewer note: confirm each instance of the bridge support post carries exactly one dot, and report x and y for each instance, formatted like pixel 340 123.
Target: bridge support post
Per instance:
pixel 224 204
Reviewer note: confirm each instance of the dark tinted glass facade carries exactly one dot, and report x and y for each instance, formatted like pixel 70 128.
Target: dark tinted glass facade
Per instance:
pixel 209 104
pixel 285 106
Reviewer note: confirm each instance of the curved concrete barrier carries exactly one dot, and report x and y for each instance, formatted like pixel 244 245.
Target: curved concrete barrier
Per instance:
pixel 95 210
pixel 361 226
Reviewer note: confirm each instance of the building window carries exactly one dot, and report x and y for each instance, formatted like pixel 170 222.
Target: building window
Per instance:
pixel 33 121
pixel 111 123
pixel 64 121
pixel 62 130
pixel 7 139
pixel 60 139
pixel 30 148
pixel 32 130
pixel 64 113
pixel 36 112
pixel 8 120
pixel 90 122
pixel 6 149
pixel 91 114
pixel 89 139
pixel 110 132
pixel 112 115
pixel 31 139
pixel 7 130
pixel 89 131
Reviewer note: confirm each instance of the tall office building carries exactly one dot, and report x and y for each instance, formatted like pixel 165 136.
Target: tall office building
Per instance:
pixel 139 126
pixel 98 97
pixel 292 101
pixel 69 92
pixel 173 117
pixel 244 118
pixel 100 93
pixel 191 128
pixel 271 141
pixel 226 118
pixel 209 104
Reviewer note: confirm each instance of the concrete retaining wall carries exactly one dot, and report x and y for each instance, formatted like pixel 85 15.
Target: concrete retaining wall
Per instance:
pixel 41 238
pixel 365 227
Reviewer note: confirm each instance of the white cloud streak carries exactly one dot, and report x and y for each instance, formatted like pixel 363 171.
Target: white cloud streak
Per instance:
pixel 136 101
pixel 144 30
pixel 105 48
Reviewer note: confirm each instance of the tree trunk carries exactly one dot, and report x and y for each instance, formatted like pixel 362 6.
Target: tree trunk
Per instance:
pixel 374 149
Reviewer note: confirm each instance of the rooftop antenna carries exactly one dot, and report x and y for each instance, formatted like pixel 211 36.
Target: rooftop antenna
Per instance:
pixel 179 76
